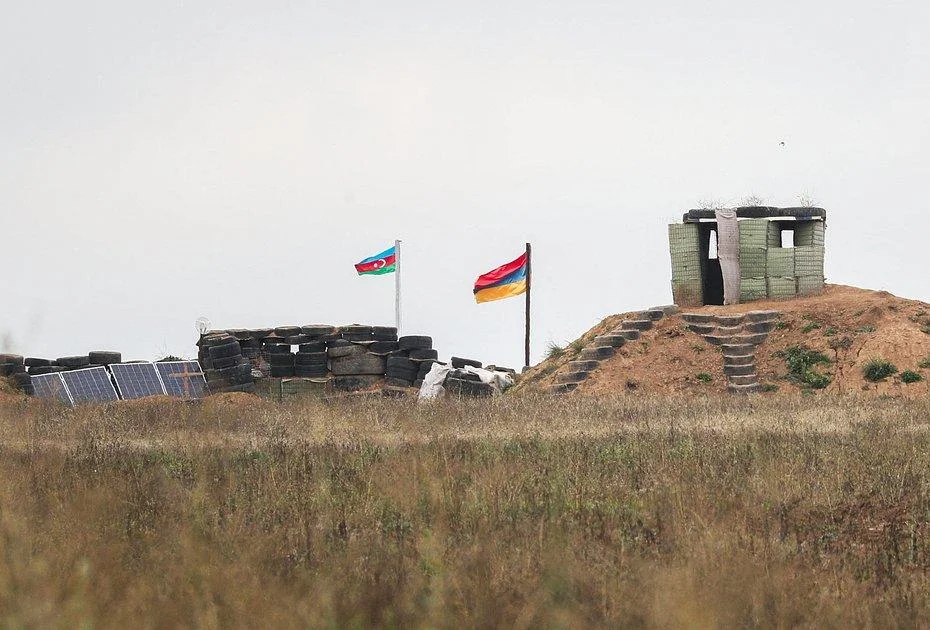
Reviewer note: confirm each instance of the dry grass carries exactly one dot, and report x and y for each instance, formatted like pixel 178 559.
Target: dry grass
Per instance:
pixel 512 513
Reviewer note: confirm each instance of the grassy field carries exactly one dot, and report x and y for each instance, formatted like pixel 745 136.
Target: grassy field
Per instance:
pixel 641 512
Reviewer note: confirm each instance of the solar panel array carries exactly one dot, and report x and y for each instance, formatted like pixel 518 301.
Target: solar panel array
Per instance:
pixel 137 380
pixel 90 385
pixel 51 387
pixel 182 379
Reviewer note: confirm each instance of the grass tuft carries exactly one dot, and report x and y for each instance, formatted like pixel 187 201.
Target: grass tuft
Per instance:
pixel 878 370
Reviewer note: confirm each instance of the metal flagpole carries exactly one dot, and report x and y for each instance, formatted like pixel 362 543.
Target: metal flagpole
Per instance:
pixel 529 284
pixel 397 285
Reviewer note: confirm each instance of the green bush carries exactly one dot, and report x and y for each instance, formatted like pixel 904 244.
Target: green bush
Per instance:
pixel 877 370
pixel 810 327
pixel 801 361
pixel 554 350
pixel 704 377
pixel 925 363
pixel 908 377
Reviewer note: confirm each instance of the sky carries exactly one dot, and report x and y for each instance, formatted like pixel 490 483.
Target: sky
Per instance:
pixel 162 162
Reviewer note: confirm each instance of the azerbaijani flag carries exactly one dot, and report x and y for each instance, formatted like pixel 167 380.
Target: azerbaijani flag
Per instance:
pixel 385 262
pixel 504 282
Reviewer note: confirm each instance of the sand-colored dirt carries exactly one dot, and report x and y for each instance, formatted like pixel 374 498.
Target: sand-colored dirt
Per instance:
pixel 849 325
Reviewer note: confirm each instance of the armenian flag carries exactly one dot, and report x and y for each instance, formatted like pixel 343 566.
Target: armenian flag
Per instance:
pixel 385 262
pixel 504 282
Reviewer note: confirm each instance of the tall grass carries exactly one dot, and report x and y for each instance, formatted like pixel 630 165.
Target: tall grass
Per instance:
pixel 645 512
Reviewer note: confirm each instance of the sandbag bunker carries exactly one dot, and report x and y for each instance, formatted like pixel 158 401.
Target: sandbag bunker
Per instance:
pixel 294 359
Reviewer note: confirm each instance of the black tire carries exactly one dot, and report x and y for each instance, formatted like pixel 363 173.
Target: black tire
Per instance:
pixel 356 337
pixel 242 334
pixel 313 346
pixel 287 331
pixel 402 363
pixel 356 329
pixel 310 358
pixel 425 367
pixel 418 383
pixel 39 370
pixel 296 340
pixel 317 330
pixel 226 362
pixel 210 341
pixel 22 381
pixel 391 338
pixel 251 342
pixel 410 342
pixel 459 387
pixel 458 362
pixel 382 347
pixel 271 349
pixel 73 362
pixel 282 371
pixel 384 331
pixel 11 359
pixel 338 343
pixel 407 375
pixel 465 376
pixel 104 357
pixel 281 359
pixel 35 362
pixel 230 349
pixel 397 382
pixel 421 354
pixel 12 369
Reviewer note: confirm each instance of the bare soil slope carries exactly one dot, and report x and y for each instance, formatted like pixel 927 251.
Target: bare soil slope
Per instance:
pixel 849 325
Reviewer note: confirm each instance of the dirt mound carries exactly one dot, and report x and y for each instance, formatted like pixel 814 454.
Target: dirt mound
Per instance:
pixel 849 326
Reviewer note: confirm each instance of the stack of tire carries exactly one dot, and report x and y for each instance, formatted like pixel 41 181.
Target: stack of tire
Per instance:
pixel 13 368
pixel 310 361
pixel 353 364
pixel 464 384
pixel 224 366
pixel 412 360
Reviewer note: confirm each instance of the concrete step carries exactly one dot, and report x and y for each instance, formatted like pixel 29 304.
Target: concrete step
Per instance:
pixel 746 379
pixel 596 353
pixel 753 328
pixel 572 377
pixel 739 370
pixel 629 335
pixel 614 341
pixel 698 318
pixel 653 314
pixel 729 330
pixel 744 389
pixel 750 340
pixel 737 349
pixel 637 324
pixel 718 340
pixel 744 359
pixel 730 320
pixel 582 366
pixel 702 329
pixel 762 316
pixel 564 388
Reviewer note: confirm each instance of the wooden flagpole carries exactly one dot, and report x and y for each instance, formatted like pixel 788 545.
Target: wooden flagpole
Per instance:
pixel 529 284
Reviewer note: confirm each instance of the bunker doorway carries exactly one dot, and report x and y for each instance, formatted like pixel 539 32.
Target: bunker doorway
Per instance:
pixel 711 275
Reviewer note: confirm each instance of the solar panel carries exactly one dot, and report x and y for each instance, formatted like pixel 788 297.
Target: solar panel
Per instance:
pixel 89 385
pixel 52 387
pixel 137 380
pixel 182 378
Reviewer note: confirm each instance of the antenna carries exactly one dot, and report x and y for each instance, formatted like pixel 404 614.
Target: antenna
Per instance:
pixel 202 325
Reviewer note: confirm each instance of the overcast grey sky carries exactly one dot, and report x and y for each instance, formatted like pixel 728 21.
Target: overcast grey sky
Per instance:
pixel 161 161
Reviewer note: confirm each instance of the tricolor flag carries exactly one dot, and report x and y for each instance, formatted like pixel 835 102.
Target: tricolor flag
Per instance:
pixel 385 262
pixel 504 282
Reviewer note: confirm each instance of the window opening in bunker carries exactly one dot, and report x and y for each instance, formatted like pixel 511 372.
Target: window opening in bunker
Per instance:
pixel 787 238
pixel 712 246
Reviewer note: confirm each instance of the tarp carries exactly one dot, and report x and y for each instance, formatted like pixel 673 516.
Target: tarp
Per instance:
pixel 432 386
pixel 728 253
